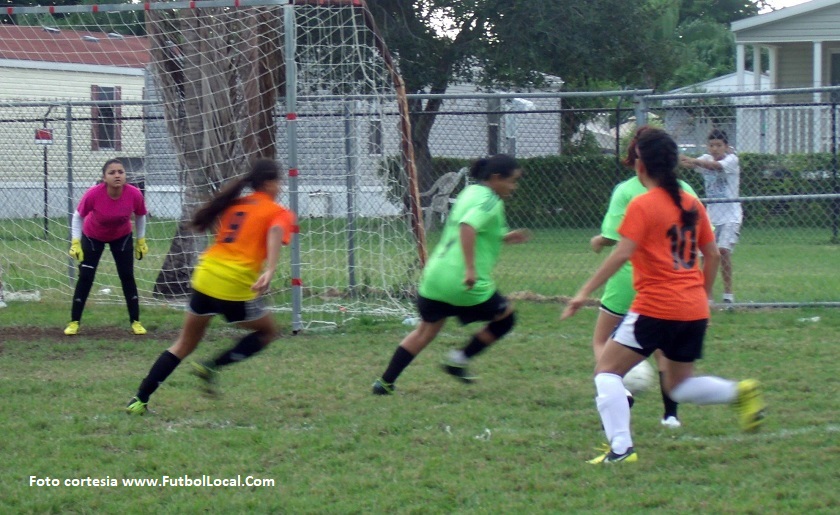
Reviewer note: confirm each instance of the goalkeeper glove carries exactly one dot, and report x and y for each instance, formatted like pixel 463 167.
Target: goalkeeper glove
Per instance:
pixel 141 249
pixel 76 250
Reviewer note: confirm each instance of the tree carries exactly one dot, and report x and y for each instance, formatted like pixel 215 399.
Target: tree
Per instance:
pixel 220 101
pixel 507 43
pixel 708 51
pixel 719 11
pixel 703 40
pixel 129 23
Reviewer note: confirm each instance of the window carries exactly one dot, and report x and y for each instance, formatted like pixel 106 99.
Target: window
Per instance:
pixel 375 139
pixel 106 119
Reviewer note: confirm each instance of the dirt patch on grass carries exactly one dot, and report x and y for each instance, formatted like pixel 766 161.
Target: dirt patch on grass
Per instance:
pixel 35 333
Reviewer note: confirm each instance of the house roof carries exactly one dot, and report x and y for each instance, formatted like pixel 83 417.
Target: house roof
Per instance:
pixel 725 83
pixel 782 14
pixel 53 45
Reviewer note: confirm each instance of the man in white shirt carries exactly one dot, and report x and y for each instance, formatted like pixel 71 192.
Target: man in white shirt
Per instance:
pixel 722 175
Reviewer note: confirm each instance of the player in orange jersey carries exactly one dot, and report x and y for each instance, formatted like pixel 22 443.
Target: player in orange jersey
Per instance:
pixel 231 276
pixel 662 234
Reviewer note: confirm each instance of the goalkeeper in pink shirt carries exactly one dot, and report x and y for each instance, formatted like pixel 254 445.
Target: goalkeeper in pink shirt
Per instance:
pixel 104 217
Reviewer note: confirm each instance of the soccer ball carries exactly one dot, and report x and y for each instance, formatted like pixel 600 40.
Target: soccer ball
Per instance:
pixel 640 378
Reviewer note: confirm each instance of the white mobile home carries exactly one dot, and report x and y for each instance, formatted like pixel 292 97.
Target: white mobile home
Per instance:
pixel 64 144
pixel 803 43
pixel 690 125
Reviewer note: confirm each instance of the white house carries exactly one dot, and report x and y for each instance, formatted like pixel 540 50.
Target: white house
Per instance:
pixel 345 143
pixel 50 65
pixel 527 126
pixel 728 83
pixel 341 144
pixel 803 43
pixel 690 124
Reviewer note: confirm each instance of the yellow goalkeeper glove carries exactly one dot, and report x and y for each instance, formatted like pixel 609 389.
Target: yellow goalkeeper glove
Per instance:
pixel 141 249
pixel 76 250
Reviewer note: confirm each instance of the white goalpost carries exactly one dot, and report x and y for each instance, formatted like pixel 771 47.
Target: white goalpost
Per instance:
pixel 186 94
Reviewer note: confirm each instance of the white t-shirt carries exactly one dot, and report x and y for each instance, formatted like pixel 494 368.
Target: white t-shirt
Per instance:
pixel 722 183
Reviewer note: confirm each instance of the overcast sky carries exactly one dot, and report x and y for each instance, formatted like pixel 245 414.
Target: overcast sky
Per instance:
pixel 778 4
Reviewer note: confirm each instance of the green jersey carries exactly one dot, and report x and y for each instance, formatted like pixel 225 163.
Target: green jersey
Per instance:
pixel 618 291
pixel 443 278
pixel 623 193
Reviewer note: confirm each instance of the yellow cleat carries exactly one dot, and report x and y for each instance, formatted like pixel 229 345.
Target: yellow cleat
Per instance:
pixel 137 328
pixel 136 407
pixel 72 328
pixel 609 456
pixel 208 376
pixel 750 405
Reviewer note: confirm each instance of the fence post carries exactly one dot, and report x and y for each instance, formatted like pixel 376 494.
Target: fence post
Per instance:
pixel 46 183
pixel 836 186
pixel 349 141
pixel 494 118
pixel 762 130
pixel 641 110
pixel 68 117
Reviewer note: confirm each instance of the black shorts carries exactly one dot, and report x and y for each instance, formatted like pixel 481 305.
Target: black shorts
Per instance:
pixel 678 341
pixel 435 310
pixel 232 310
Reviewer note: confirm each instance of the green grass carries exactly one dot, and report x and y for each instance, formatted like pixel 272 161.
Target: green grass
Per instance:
pixel 784 265
pixel 301 414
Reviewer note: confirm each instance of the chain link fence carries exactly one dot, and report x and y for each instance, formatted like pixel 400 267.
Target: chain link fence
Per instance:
pixel 570 146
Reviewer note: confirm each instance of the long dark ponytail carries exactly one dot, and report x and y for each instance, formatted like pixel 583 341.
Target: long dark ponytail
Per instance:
pixel 659 153
pixel 262 171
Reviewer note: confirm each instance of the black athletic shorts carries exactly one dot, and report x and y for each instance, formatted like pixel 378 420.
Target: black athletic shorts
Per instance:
pixel 434 310
pixel 232 310
pixel 678 341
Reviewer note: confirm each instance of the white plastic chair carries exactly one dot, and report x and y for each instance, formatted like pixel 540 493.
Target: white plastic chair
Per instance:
pixel 441 193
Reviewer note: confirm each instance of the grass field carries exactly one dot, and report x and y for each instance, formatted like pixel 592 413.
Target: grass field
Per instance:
pixel 781 265
pixel 301 414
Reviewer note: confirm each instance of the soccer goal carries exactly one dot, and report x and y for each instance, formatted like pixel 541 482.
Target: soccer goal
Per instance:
pixel 186 94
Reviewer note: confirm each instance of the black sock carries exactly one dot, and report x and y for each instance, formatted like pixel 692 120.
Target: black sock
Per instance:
pixel 401 359
pixel 474 347
pixel 244 348
pixel 165 364
pixel 667 401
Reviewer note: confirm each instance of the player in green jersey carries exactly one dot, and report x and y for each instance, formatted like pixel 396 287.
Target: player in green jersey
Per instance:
pixel 457 279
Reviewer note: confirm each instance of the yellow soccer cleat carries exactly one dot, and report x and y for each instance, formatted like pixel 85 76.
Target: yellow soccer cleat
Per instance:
pixel 136 407
pixel 72 328
pixel 750 405
pixel 209 378
pixel 380 387
pixel 609 456
pixel 137 328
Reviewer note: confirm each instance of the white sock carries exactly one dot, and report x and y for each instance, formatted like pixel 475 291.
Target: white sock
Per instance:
pixel 615 411
pixel 705 390
pixel 458 356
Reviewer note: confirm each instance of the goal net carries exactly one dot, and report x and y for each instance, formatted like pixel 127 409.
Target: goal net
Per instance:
pixel 186 94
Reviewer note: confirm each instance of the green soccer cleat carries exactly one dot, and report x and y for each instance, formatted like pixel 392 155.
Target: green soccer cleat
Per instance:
pixel 136 407
pixel 208 376
pixel 750 405
pixel 380 387
pixel 609 456
pixel 72 328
